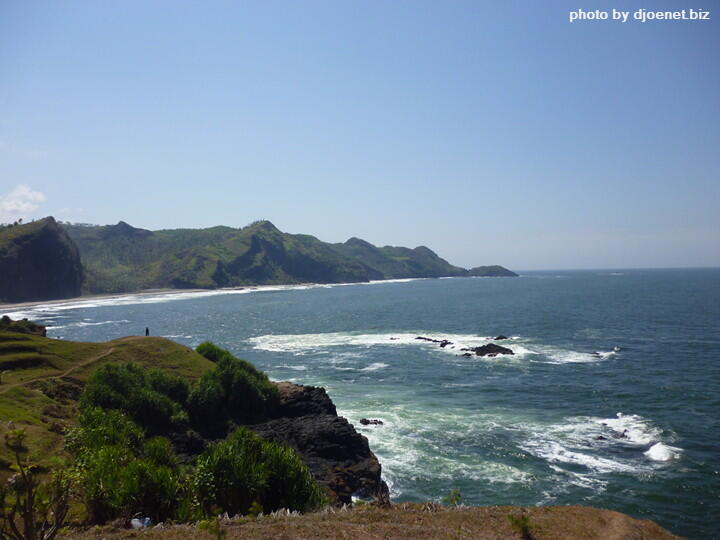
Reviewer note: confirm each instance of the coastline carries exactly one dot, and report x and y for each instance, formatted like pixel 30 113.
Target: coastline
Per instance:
pixel 9 308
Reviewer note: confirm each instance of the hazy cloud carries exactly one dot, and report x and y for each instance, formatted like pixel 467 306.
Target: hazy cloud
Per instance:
pixel 20 203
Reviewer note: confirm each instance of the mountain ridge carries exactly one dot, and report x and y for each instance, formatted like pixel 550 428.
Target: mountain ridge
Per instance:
pixel 121 258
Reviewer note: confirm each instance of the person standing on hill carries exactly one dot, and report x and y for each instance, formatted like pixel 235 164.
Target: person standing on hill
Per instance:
pixel 147 331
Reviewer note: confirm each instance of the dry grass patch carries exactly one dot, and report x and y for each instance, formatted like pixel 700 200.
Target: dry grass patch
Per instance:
pixel 421 521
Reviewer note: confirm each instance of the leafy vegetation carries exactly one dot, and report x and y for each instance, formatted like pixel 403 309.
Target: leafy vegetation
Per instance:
pixel 235 391
pixel 119 431
pixel 453 498
pixel 521 524
pixel 21 327
pixel 151 398
pixel 121 258
pixel 43 380
pixel 119 471
pixel 122 471
pixel 245 471
pixel 31 509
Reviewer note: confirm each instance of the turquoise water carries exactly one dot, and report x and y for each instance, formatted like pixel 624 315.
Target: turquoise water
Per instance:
pixel 597 353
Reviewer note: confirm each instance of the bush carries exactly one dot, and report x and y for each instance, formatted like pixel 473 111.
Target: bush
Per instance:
pixel 245 470
pixel 234 391
pixel 99 428
pixel 119 472
pixel 152 398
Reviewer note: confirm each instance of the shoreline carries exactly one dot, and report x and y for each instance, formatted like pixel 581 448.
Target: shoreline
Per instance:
pixel 105 296
pixel 180 292
pixel 9 308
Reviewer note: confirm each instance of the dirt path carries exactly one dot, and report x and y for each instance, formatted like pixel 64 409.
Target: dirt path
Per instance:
pixel 86 363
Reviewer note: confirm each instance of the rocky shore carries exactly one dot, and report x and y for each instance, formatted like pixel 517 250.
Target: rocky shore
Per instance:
pixel 338 456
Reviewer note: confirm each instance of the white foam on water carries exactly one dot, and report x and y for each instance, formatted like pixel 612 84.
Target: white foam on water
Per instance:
pixel 320 342
pixel 663 452
pixel 37 311
pixel 555 452
pixel 596 443
pixel 412 446
pixel 636 429
pixel 297 367
pixel 374 366
pixel 557 355
pixel 83 324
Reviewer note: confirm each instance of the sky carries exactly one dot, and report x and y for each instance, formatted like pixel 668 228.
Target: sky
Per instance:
pixel 493 132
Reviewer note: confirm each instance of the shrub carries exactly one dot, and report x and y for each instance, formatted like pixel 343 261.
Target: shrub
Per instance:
pixel 453 498
pixel 152 398
pixel 245 470
pixel 99 428
pixel 233 391
pixel 521 524
pixel 119 472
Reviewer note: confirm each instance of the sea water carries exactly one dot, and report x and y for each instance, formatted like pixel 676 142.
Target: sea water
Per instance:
pixel 612 398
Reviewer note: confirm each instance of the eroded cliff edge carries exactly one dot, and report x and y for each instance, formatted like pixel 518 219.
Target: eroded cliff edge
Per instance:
pixel 338 456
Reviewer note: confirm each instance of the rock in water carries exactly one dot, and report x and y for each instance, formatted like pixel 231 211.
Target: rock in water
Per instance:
pixel 491 349
pixel 371 422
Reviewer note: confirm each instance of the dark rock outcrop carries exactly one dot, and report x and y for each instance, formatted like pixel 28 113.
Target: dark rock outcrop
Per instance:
pixel 337 455
pixel 38 261
pixel 442 342
pixel 371 422
pixel 491 349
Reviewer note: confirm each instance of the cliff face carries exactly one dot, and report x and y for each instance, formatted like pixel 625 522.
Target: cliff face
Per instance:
pixel 338 456
pixel 38 261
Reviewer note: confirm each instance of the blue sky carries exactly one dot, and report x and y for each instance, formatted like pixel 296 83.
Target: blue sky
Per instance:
pixel 492 132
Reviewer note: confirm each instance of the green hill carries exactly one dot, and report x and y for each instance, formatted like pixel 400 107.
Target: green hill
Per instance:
pixel 42 379
pixel 491 271
pixel 121 258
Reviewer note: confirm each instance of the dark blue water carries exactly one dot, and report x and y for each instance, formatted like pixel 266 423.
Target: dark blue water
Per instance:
pixel 598 354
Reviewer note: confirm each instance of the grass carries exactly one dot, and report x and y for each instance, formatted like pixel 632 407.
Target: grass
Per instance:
pixel 410 520
pixel 42 379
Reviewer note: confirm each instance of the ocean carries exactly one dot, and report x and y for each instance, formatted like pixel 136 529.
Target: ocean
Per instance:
pixel 612 398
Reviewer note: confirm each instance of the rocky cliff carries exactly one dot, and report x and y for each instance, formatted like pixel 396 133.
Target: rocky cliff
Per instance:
pixel 38 261
pixel 338 456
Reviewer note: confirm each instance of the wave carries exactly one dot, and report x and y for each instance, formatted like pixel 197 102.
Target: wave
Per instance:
pixel 522 348
pixel 316 342
pixel 408 447
pixel 557 355
pixel 297 367
pixel 632 428
pixel 85 323
pixel 601 445
pixel 663 452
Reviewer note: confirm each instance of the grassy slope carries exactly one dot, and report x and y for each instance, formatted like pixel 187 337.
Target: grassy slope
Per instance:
pixel 42 379
pixel 417 521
